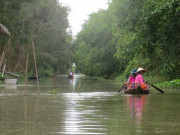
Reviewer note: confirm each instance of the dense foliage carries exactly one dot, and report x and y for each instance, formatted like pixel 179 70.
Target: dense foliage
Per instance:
pixel 170 84
pixel 43 22
pixel 94 55
pixel 129 34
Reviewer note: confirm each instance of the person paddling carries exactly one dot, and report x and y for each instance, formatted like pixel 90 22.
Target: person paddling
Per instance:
pixel 139 78
pixel 131 79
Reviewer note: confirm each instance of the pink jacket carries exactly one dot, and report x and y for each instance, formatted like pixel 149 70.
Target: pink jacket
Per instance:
pixel 131 79
pixel 139 79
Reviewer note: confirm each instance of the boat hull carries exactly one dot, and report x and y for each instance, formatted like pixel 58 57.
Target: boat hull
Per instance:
pixel 136 91
pixel 71 76
pixel 33 77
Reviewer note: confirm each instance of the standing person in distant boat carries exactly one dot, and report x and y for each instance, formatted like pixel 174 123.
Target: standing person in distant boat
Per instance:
pixel 139 78
pixel 71 73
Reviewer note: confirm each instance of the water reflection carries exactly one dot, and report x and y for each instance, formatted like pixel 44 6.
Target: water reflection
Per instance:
pixel 71 116
pixel 76 120
pixel 25 114
pixel 72 82
pixel 136 107
pixel 9 86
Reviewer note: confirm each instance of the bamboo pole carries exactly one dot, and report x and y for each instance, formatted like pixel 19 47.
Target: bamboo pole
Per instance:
pixel 2 57
pixel 55 74
pixel 79 87
pixel 36 67
pixel 26 71
pixel 4 68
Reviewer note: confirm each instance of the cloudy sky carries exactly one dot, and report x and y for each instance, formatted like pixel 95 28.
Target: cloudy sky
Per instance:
pixel 80 9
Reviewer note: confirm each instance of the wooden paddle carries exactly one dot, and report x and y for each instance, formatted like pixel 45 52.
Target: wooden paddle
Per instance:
pixel 155 87
pixel 121 88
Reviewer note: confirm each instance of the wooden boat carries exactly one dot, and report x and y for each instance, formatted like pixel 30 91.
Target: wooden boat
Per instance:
pixel 136 91
pixel 71 76
pixel 33 77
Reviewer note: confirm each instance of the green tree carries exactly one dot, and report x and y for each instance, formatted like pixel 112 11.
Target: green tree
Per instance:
pixel 130 34
pixel 94 53
pixel 42 21
pixel 159 36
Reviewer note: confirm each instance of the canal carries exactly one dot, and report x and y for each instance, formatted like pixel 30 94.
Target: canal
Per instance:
pixel 86 106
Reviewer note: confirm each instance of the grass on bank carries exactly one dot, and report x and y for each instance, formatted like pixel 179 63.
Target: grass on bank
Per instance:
pixel 170 84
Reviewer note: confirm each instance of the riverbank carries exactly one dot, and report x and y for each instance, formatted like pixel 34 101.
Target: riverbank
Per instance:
pixel 174 84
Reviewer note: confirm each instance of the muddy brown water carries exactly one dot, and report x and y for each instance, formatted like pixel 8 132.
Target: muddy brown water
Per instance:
pixel 95 109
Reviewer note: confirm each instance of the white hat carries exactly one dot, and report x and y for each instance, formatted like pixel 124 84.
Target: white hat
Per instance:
pixel 140 69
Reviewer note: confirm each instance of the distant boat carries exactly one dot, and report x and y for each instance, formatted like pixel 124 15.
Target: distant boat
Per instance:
pixel 33 77
pixel 71 76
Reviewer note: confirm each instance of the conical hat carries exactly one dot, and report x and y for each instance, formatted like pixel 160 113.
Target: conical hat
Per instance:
pixel 140 69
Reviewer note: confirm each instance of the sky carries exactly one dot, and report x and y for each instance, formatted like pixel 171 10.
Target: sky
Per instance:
pixel 80 9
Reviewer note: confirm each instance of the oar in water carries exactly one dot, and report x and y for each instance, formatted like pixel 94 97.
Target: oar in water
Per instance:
pixel 121 88
pixel 156 87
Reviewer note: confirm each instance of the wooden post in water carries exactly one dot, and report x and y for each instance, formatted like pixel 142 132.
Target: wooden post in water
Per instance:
pixel 36 67
pixel 79 87
pixel 26 71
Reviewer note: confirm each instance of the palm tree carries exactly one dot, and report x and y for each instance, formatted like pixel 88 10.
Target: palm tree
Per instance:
pixel 3 29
